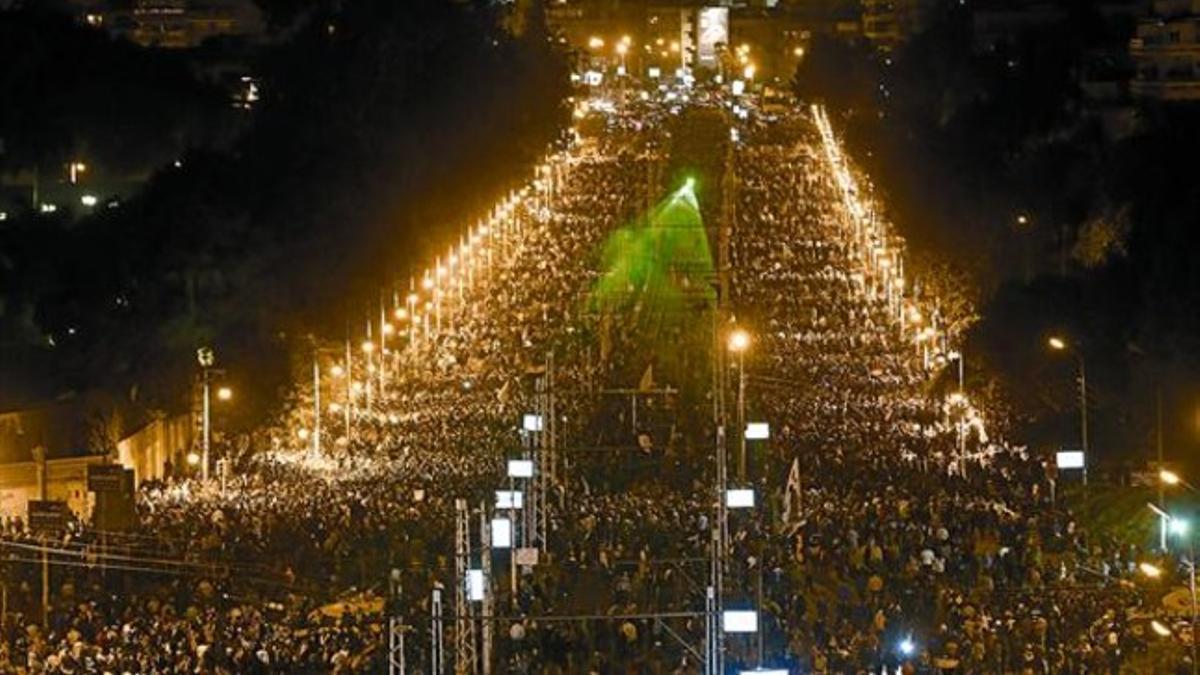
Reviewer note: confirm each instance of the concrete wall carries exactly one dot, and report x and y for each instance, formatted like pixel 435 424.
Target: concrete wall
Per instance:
pixel 66 480
pixel 148 450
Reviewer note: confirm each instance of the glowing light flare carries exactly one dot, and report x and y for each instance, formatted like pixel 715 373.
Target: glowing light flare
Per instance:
pixel 739 340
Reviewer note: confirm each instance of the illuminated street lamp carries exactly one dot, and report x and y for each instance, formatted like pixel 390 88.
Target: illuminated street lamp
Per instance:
pixel 224 394
pixel 1180 528
pixel 74 169
pixel 1060 344
pixel 596 42
pixel 739 342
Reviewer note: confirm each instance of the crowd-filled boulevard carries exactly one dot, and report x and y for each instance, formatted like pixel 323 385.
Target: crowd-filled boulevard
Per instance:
pixel 682 302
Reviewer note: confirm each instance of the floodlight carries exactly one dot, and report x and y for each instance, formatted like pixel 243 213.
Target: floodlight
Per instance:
pixel 475 585
pixel 739 499
pixel 907 647
pixel 520 468
pixel 758 431
pixel 509 499
pixel 532 422
pixel 739 621
pixel 501 533
pixel 1178 526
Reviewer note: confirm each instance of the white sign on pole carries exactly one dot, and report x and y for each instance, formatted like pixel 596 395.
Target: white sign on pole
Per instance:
pixel 531 422
pixel 527 556
pixel 520 468
pixel 509 499
pixel 739 499
pixel 739 621
pixel 1070 459
pixel 475 585
pixel 501 533
pixel 758 431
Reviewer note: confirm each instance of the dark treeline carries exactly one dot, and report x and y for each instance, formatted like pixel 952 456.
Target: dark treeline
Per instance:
pixel 383 127
pixel 1073 216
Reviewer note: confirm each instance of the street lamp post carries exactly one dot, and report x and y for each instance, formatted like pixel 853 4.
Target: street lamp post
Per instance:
pixel 1060 344
pixel 206 359
pixel 739 341
pixel 1180 527
pixel 206 439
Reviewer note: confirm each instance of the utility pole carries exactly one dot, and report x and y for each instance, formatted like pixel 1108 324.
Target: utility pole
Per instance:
pixel 316 436
pixel 396 664
pixel 466 658
pixel 437 656
pixel 1162 497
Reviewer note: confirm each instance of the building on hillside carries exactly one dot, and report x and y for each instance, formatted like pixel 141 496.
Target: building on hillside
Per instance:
pixel 996 23
pixel 173 24
pixel 889 23
pixel 1165 50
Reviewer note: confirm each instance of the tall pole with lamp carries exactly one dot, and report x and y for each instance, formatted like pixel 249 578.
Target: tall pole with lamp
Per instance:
pixel 1059 344
pixel 739 342
pixel 206 358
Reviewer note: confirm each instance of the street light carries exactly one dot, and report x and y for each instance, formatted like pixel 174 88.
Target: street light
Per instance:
pixel 206 358
pixel 1179 527
pixel 1060 344
pixel 596 42
pixel 739 342
pixel 1169 477
pixel 224 394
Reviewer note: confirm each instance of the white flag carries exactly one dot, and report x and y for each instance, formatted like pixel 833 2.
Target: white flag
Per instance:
pixel 792 493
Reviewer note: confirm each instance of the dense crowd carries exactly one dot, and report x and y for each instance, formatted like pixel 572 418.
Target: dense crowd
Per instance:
pixel 897 540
